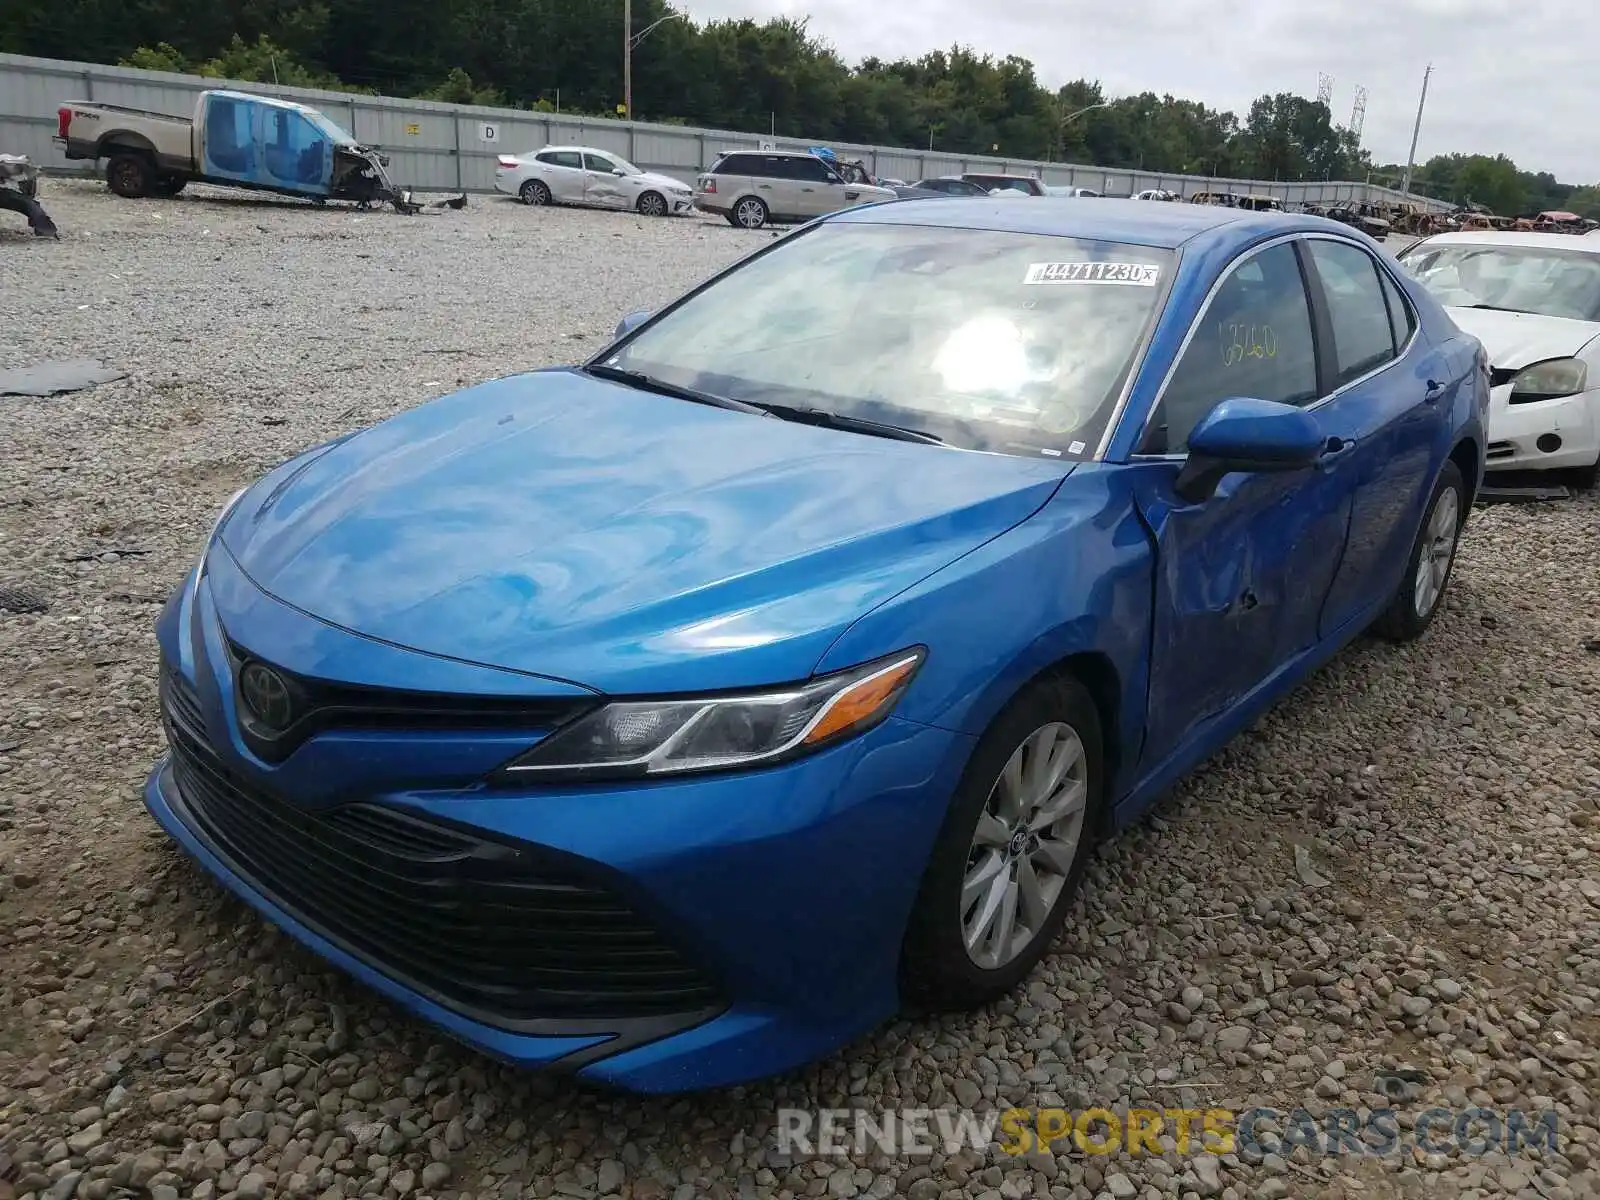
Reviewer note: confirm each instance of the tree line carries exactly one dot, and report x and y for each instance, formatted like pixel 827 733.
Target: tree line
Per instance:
pixel 764 77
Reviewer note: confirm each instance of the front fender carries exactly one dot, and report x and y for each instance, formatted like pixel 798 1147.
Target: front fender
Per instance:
pixel 1076 578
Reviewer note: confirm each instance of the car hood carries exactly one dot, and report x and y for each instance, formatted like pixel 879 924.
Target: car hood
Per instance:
pixel 569 527
pixel 1515 340
pixel 656 179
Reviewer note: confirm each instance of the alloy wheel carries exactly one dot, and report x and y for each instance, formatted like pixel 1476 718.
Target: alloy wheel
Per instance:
pixel 750 214
pixel 1437 553
pixel 1024 845
pixel 652 205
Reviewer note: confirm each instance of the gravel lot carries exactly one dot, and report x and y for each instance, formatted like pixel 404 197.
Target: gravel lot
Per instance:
pixel 159 1040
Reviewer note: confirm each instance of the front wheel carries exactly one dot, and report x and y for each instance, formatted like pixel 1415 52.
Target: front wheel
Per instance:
pixel 652 204
pixel 1011 853
pixel 534 192
pixel 1421 592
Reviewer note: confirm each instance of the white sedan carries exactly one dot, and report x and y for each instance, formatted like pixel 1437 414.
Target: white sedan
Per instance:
pixel 1533 300
pixel 590 177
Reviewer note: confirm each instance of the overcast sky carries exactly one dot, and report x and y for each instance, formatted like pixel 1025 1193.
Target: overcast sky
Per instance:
pixel 1512 78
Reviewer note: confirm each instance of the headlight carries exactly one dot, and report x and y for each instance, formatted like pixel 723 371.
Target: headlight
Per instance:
pixel 631 739
pixel 1550 379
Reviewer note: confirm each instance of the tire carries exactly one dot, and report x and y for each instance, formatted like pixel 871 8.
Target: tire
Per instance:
pixel 131 176
pixel 652 204
pixel 937 971
pixel 1416 603
pixel 535 192
pixel 749 213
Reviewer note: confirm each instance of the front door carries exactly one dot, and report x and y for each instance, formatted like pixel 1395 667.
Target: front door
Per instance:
pixel 1241 577
pixel 1391 421
pixel 601 188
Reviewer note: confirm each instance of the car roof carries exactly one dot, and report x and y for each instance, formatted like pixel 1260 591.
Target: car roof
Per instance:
pixel 1506 237
pixel 767 153
pixel 1116 220
pixel 581 150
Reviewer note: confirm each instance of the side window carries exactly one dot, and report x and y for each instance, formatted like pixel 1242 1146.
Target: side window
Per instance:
pixel 1253 339
pixel 1363 339
pixel 806 168
pixel 562 158
pixel 599 164
pixel 1401 319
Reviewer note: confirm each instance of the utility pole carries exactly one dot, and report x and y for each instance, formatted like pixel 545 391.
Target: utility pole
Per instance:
pixel 627 59
pixel 1411 159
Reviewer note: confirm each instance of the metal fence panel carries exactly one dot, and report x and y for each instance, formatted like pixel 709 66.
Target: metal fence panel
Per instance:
pixel 449 147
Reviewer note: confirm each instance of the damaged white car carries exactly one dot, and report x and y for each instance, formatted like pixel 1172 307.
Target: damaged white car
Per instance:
pixel 1533 300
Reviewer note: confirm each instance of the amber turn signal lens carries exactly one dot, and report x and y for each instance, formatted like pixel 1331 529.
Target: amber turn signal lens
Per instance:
pixel 863 700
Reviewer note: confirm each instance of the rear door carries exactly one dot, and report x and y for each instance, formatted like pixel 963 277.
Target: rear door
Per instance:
pixel 562 171
pixel 1389 412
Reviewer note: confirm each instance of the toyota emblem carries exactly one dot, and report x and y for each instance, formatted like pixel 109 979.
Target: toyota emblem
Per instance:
pixel 267 697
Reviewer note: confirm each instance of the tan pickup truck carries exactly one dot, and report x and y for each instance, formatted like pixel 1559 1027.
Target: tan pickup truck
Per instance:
pixel 234 138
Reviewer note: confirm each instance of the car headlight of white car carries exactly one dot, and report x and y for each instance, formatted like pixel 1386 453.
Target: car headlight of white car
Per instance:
pixel 1549 380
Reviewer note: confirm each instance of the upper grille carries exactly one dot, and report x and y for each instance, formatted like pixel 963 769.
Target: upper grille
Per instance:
pixel 320 705
pixel 503 932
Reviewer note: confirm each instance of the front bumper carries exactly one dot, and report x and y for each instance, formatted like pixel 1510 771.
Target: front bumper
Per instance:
pixel 773 901
pixel 1546 434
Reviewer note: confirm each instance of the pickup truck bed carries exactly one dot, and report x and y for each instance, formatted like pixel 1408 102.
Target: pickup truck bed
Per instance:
pixel 96 131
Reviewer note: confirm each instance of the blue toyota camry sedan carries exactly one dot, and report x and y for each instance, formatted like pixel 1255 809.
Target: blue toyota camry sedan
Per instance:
pixel 672 719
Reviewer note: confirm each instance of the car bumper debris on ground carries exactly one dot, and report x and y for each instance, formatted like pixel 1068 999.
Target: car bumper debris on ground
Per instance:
pixel 1385 896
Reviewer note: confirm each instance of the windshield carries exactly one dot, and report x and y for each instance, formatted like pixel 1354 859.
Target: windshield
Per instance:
pixel 1007 342
pixel 1548 281
pixel 326 127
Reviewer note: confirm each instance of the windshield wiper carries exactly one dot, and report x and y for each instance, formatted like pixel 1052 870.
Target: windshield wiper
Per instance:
pixel 649 383
pixel 833 420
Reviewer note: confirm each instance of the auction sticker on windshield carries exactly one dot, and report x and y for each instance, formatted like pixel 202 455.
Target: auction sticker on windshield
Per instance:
pixel 1127 273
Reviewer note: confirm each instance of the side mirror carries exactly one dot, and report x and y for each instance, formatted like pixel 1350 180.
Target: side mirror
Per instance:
pixel 630 322
pixel 1245 434
pixel 618 172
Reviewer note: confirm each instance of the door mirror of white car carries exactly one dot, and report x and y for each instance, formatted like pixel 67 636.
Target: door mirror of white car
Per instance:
pixel 618 172
pixel 631 322
pixel 1245 434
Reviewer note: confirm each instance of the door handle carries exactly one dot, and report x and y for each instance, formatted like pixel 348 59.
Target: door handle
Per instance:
pixel 1434 393
pixel 1336 448
pixel 765 187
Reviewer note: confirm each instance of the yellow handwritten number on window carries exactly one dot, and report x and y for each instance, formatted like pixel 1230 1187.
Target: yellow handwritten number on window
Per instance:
pixel 1242 340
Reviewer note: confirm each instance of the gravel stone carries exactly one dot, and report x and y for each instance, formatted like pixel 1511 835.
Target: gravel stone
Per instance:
pixel 173 1044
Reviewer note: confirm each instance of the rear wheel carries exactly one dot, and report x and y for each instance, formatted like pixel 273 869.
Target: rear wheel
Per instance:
pixel 1011 853
pixel 749 213
pixel 131 176
pixel 652 204
pixel 1421 592
pixel 534 192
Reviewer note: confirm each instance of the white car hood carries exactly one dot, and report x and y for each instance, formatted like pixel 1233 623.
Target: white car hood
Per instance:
pixel 1515 340
pixel 655 179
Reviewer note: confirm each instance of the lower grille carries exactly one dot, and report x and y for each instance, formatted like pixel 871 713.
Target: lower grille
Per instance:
pixel 1500 450
pixel 500 932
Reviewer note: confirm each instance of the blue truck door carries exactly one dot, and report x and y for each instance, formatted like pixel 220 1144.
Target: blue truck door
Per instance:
pixel 228 144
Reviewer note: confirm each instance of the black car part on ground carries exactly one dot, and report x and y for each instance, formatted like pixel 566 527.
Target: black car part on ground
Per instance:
pixel 19 192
